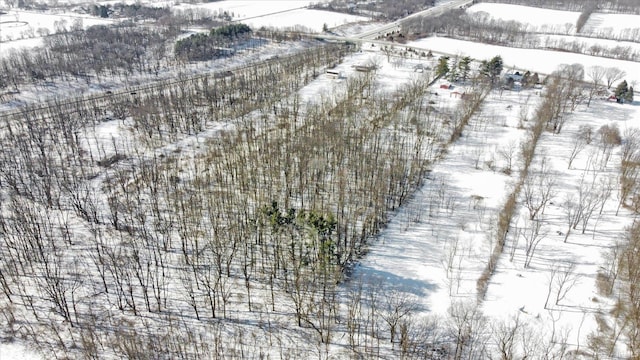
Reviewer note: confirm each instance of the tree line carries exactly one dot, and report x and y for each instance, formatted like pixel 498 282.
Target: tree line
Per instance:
pixel 482 28
pixel 380 10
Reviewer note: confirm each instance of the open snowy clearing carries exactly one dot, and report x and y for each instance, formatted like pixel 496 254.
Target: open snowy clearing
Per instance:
pixel 7 46
pixel 437 245
pixel 537 294
pixel 16 351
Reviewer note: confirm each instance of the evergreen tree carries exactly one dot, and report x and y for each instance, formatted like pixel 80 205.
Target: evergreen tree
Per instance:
pixel 492 68
pixel 443 66
pixel 464 66
pixel 623 92
pixel 622 89
pixel 453 70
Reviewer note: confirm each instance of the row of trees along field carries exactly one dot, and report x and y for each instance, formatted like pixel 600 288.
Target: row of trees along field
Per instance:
pixel 381 10
pixel 481 27
pixel 101 238
pixel 620 277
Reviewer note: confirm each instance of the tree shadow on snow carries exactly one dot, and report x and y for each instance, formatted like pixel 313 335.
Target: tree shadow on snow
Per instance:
pixel 387 281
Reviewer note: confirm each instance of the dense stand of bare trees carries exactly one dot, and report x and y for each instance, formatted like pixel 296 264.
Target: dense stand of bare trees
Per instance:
pixel 382 10
pixel 172 238
pixel 87 226
pixel 102 53
pixel 122 235
pixel 89 55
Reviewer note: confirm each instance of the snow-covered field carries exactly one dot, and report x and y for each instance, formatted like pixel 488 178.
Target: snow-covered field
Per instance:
pixel 613 24
pixel 313 20
pixel 278 14
pixel 21 24
pixel 542 61
pixel 557 21
pixel 243 9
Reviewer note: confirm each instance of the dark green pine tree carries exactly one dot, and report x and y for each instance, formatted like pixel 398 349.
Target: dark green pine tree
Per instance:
pixel 443 66
pixel 623 92
pixel 622 89
pixel 464 66
pixel 492 68
pixel 629 96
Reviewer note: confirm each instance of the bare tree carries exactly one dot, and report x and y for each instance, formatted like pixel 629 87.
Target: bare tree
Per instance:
pixel 573 213
pixel 466 329
pixel 596 75
pixel 533 235
pixel 609 136
pixel 565 280
pixel 579 141
pixel 397 307
pixel 507 336
pixel 612 75
pixel 588 201
pixel 508 154
pixel 538 189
